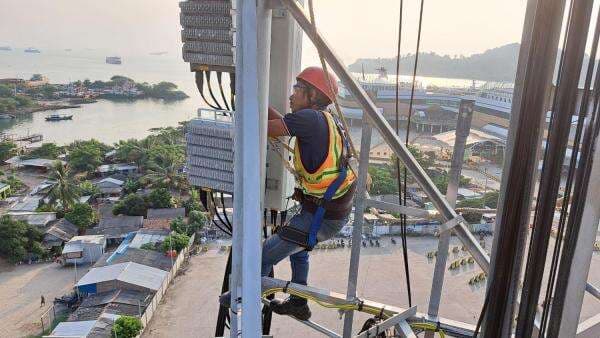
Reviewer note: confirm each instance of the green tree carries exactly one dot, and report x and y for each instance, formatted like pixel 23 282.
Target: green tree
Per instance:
pixel 127 327
pixel 82 215
pixel 164 168
pixel 8 104
pixel 87 188
pixel 472 217
pixel 131 186
pixel 7 150
pixel 65 190
pixel 132 151
pixel 24 101
pixel 491 199
pixel 6 91
pixel 86 155
pixel 179 226
pixel 15 183
pixel 160 198
pixel 196 221
pixel 18 238
pixel 47 150
pixel 131 205
pixel 193 202
pixel 175 242
pixel 149 246
pixel 383 181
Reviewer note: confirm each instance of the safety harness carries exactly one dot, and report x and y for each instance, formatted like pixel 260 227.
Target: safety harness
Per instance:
pixel 309 240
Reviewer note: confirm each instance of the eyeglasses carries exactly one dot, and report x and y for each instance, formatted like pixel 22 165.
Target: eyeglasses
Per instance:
pixel 299 87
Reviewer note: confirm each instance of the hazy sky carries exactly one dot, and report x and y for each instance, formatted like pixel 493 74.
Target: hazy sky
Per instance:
pixel 356 28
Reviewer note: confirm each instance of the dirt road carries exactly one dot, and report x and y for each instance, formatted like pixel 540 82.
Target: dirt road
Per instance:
pixel 20 291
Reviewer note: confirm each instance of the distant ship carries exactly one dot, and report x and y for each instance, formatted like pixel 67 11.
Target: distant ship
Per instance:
pixel 57 117
pixel 5 48
pixel 32 50
pixel 68 50
pixel 113 60
pixel 159 53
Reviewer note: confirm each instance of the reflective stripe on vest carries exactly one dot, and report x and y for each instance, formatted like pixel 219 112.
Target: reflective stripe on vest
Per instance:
pixel 315 184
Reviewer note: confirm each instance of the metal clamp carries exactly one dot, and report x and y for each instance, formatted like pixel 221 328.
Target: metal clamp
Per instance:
pixel 451 223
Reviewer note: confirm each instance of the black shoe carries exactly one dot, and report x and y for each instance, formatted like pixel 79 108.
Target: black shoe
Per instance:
pixel 292 306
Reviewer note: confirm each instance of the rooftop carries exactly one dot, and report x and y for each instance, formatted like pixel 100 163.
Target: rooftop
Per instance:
pixel 62 230
pixel 132 273
pixel 149 258
pixel 117 227
pixel 39 219
pixel 165 213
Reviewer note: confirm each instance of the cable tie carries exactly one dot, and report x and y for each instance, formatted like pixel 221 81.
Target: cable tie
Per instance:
pixel 360 304
pixel 380 316
pixel 285 288
pixel 437 326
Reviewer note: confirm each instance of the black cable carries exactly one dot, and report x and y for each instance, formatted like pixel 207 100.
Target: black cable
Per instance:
pixel 232 90
pixel 212 95
pixel 219 80
pixel 570 178
pixel 224 211
pixel 212 198
pixel 200 86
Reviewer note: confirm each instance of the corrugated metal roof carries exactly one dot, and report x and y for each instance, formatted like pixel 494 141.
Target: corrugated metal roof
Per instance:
pixel 167 213
pixel 40 219
pixel 132 273
pixel 73 329
pixel 147 237
pixel 28 203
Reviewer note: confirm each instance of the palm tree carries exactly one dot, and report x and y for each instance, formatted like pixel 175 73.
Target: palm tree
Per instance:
pixel 65 190
pixel 164 170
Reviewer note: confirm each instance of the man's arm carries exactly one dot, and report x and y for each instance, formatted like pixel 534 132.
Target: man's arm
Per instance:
pixel 276 128
pixel 274 114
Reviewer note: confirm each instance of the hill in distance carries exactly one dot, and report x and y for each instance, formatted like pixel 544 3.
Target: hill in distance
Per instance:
pixel 497 64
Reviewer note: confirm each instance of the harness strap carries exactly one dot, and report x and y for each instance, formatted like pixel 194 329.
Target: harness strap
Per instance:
pixel 331 190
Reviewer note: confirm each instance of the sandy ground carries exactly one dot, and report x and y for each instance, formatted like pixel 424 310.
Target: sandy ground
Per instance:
pixel 189 308
pixel 20 291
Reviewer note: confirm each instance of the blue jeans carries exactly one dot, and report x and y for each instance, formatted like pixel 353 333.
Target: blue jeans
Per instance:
pixel 275 249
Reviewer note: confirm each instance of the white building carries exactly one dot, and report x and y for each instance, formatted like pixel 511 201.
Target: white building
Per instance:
pixel 84 249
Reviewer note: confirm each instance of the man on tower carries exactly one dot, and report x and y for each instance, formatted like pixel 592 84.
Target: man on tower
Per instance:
pixel 325 182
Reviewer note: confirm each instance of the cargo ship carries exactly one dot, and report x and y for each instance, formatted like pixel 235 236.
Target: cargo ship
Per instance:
pixel 32 50
pixel 113 60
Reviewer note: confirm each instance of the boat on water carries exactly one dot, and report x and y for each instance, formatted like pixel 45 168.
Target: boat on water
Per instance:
pixel 6 48
pixel 32 50
pixel 58 117
pixel 159 53
pixel 113 60
pixel 7 116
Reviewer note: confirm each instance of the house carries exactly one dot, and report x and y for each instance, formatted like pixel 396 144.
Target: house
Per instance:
pixel 39 219
pixel 40 164
pixel 110 186
pixel 116 228
pixel 4 191
pixel 149 258
pixel 117 168
pixel 125 276
pixel 157 224
pixel 467 194
pixel 60 232
pixel 27 204
pixel 144 236
pixel 84 249
pixel 166 213
pixel 43 188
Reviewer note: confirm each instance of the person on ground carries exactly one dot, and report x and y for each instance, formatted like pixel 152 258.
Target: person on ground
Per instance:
pixel 324 181
pixel 42 301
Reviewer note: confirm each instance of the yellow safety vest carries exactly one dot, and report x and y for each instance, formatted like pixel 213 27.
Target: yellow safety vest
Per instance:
pixel 315 184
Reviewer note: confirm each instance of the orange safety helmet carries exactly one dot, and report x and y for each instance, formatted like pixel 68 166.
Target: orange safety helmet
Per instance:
pixel 315 76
